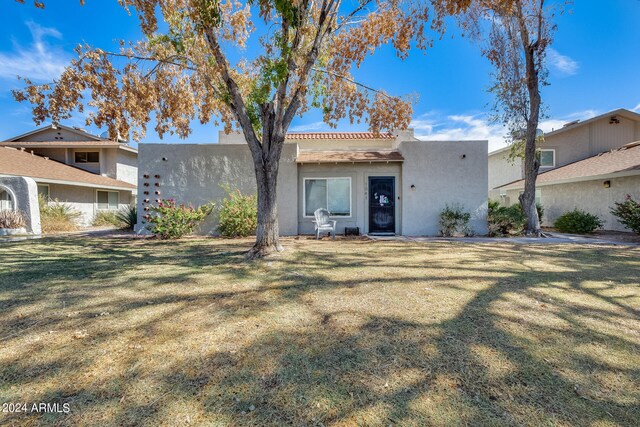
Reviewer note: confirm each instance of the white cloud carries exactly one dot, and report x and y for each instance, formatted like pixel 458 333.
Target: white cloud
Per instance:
pixel 38 61
pixel 433 126
pixel 636 109
pixel 562 63
pixel 555 124
pixel 309 127
pixel 459 127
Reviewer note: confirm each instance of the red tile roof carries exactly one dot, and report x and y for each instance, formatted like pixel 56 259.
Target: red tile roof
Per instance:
pixel 349 156
pixel 297 136
pixel 624 159
pixel 21 163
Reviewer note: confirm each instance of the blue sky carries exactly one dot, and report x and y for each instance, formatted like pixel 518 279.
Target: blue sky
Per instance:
pixel 594 67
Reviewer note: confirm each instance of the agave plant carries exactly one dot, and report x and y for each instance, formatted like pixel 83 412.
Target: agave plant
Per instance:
pixel 57 216
pixel 128 217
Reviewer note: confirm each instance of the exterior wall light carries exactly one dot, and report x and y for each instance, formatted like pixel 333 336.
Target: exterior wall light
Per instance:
pixel 413 187
pixel 606 184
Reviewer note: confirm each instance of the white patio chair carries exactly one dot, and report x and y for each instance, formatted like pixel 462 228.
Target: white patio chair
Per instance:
pixel 323 223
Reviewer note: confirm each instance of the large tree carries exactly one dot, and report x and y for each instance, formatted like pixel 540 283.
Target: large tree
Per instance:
pixel 252 65
pixel 515 35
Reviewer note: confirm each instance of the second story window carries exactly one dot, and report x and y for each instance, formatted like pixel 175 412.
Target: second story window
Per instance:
pixel 87 157
pixel 547 158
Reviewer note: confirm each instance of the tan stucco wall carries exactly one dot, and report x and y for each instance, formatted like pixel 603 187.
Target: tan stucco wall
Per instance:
pixel 126 166
pixel 58 154
pixel 194 173
pixel 441 176
pixel 589 196
pixel 83 199
pixel 502 171
pixel 359 174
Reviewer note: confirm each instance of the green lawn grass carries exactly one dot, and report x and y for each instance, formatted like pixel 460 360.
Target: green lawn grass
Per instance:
pixel 329 333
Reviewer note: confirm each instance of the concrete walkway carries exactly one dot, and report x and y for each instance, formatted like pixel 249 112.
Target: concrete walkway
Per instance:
pixel 554 239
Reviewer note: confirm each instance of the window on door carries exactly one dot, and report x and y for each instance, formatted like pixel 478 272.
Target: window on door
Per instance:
pixel 333 194
pixel 87 157
pixel 107 200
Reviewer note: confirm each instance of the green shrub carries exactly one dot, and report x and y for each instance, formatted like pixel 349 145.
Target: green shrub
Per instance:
pixel 11 219
pixel 170 220
pixel 105 218
pixel 56 216
pixel 503 220
pixel 540 210
pixel 628 213
pixel 578 222
pixel 127 217
pixel 454 219
pixel 238 215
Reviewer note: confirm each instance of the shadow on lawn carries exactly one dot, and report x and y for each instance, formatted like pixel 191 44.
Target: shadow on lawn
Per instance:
pixel 479 365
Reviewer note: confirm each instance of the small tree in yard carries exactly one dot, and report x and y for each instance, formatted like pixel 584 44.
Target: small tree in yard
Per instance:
pixel 516 36
pixel 198 65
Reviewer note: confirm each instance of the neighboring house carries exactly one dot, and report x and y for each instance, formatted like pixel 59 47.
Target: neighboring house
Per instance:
pixel 87 172
pixel 588 165
pixel 385 184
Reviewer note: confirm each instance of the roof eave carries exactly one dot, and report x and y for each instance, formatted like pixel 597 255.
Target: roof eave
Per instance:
pixel 619 174
pixel 50 126
pixel 74 183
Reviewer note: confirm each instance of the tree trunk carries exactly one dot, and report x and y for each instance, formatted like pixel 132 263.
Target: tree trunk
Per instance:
pixel 267 232
pixel 528 198
pixel 266 162
pixel 531 162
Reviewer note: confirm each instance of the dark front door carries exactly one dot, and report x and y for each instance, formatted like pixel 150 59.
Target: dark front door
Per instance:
pixel 382 204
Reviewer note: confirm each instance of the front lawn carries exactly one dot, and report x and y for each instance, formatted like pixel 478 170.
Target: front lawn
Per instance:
pixel 345 333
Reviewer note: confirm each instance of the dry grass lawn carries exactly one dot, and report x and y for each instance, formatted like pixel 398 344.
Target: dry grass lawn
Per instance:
pixel 346 333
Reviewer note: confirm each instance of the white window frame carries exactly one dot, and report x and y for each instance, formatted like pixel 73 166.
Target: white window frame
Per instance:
pixel 304 195
pixel 554 157
pixel 48 189
pixel 108 209
pixel 87 162
pixel 12 198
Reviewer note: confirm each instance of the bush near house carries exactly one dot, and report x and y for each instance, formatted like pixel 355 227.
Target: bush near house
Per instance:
pixel 11 219
pixel 504 220
pixel 454 219
pixel 105 218
pixel 125 218
pixel 628 213
pixel 578 221
pixel 56 216
pixel 170 220
pixel 238 214
pixel 540 210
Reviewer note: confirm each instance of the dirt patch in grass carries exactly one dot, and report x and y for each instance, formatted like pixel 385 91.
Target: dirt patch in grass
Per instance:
pixel 346 333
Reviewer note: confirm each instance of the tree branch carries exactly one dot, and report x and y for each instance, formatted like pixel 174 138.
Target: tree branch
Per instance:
pixel 350 80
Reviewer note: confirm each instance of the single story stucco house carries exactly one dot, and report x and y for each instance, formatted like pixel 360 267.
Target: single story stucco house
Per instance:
pixel 85 171
pixel 382 184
